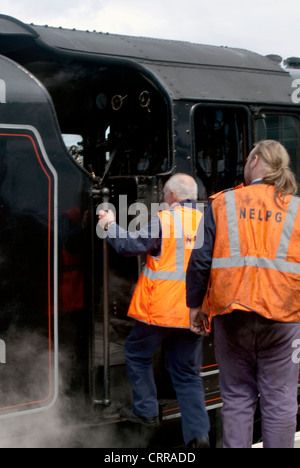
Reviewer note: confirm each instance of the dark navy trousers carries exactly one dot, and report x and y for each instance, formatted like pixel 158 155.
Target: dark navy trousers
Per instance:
pixel 257 358
pixel 184 354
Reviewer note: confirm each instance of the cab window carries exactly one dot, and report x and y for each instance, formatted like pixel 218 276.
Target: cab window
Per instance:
pixel 220 147
pixel 284 128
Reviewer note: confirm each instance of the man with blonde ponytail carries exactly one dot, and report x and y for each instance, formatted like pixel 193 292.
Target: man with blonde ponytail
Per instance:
pixel 247 276
pixel 270 162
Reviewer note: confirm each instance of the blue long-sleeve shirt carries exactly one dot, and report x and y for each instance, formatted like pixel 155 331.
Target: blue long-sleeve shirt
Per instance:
pixel 132 244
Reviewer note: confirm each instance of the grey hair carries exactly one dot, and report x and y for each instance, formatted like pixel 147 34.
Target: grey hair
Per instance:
pixel 184 186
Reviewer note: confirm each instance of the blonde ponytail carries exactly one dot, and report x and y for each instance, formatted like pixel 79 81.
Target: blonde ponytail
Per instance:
pixel 280 174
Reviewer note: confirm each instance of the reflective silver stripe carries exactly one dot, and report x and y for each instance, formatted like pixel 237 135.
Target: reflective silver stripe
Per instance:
pixel 180 244
pixel 279 265
pixel 179 273
pixel 236 261
pixel 288 228
pixel 164 275
pixel 233 228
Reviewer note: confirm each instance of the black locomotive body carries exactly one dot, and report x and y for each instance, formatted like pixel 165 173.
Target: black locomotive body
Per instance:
pixel 80 113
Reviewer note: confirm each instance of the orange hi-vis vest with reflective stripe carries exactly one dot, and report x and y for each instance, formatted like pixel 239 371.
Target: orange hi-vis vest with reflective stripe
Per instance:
pixel 160 295
pixel 256 257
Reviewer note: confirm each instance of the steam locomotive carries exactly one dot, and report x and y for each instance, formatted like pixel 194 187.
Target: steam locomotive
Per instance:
pixel 87 117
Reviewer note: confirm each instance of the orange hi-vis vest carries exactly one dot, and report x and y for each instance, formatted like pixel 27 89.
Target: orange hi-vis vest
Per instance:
pixel 160 295
pixel 256 257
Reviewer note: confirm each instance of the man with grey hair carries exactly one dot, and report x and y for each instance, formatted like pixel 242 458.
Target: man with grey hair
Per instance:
pixel 159 308
pixel 183 186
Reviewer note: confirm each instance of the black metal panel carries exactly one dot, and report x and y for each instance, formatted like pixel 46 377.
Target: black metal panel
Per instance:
pixel 185 70
pixel 44 201
pixel 10 27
